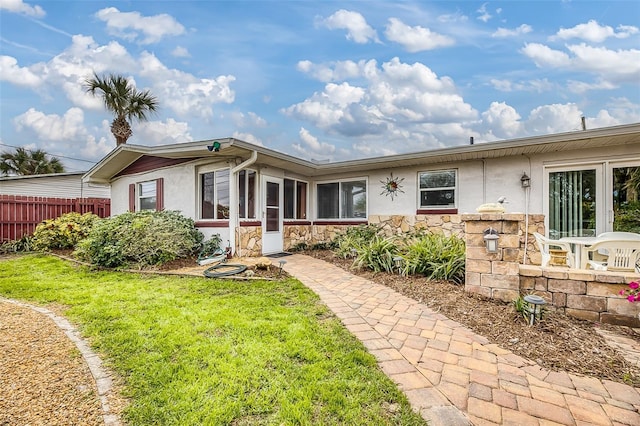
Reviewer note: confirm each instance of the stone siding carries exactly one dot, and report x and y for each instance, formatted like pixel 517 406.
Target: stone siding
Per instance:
pixel 249 241
pixel 447 224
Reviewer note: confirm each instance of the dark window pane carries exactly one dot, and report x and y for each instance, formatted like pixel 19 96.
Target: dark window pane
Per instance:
pixel 439 179
pixel 328 201
pixel 242 195
pixel 301 206
pixel 289 198
pixel 148 203
pixel 439 198
pixel 354 199
pixel 207 200
pixel 222 189
pixel 572 204
pixel 273 224
pixel 251 196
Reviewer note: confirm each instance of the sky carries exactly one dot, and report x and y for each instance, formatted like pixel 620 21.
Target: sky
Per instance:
pixel 319 80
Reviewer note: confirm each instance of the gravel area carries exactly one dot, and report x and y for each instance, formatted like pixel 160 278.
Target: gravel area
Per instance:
pixel 43 377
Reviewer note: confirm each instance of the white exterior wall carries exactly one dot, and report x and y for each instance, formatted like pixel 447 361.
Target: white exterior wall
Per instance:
pixel 63 186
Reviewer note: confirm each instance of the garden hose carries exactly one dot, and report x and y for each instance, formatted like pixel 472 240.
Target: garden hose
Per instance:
pixel 233 270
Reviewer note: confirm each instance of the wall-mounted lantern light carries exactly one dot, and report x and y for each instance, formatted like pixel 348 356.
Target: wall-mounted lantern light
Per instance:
pixel 525 181
pixel 491 240
pixel 215 146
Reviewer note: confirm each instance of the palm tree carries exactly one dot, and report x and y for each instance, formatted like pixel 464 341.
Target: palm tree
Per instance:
pixel 25 162
pixel 121 98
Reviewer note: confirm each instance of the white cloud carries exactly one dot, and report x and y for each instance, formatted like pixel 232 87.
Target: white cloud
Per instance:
pixel 180 52
pixel 502 120
pixel 505 32
pixel 311 148
pixel 247 137
pixel 594 32
pixel 337 71
pixel 131 25
pixel 537 86
pixel 555 118
pixel 582 87
pixel 18 6
pixel 616 65
pixel 415 39
pixel 357 28
pixel 394 97
pixel 545 56
pixel 250 119
pixel 484 15
pixel 96 148
pixel 20 76
pixel 53 127
pixel 160 132
pixel 184 93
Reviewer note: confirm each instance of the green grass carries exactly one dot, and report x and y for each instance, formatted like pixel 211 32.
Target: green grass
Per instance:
pixel 197 351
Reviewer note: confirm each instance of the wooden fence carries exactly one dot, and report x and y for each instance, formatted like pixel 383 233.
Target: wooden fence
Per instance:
pixel 19 215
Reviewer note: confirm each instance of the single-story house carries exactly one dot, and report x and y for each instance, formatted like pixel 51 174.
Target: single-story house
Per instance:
pixel 262 201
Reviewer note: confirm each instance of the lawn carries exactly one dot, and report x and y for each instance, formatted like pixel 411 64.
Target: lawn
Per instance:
pixel 198 351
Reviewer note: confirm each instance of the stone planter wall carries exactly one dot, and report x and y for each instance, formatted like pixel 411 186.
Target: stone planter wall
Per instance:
pixel 447 224
pixel 588 295
pixel 249 241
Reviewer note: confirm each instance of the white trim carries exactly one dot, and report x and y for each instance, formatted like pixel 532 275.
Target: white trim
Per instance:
pixel 339 182
pixel 456 189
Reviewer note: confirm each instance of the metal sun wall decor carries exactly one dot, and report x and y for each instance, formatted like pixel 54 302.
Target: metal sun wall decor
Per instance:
pixel 391 186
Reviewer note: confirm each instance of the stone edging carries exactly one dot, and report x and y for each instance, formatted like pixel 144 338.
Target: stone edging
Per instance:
pixel 100 375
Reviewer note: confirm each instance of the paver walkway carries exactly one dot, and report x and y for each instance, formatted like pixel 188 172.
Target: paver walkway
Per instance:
pixel 453 376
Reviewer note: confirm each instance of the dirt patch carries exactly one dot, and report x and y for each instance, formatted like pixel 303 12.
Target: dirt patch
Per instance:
pixel 557 343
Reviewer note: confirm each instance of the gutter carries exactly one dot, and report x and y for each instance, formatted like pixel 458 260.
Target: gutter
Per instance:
pixel 233 197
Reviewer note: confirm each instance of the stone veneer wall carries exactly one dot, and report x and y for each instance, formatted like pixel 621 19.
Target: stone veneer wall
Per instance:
pixel 248 241
pixel 583 294
pixel 447 224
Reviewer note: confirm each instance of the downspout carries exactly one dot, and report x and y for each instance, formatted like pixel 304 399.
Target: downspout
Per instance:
pixel 234 216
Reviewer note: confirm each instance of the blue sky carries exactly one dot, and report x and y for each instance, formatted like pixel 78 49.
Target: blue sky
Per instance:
pixel 321 80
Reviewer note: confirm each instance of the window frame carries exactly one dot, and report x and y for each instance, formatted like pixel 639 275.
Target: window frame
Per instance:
pixel 139 195
pixel 135 195
pixel 296 202
pixel 439 208
pixel 200 197
pixel 340 183
pixel 243 213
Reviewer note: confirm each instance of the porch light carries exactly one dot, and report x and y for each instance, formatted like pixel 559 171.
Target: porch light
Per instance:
pixel 215 146
pixel 397 261
pixel 534 307
pixel 525 181
pixel 491 240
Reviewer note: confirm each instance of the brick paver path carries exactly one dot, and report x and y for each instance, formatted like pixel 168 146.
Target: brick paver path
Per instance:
pixel 453 376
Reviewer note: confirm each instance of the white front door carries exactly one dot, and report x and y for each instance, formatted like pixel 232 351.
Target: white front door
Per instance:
pixel 272 214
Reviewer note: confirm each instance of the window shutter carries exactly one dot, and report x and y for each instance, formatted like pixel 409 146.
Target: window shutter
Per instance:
pixel 160 194
pixel 132 197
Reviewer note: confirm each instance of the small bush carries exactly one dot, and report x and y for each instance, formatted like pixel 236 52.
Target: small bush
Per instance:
pixel 627 218
pixel 63 232
pixel 353 239
pixel 377 254
pixel 24 244
pixel 436 256
pixel 143 238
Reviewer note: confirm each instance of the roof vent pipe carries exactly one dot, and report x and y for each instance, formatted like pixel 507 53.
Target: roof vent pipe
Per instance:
pixel 471 140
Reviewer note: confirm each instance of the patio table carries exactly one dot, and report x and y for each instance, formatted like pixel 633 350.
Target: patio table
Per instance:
pixel 578 244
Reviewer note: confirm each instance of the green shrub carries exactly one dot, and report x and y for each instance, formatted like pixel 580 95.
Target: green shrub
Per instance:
pixel 354 238
pixel 23 244
pixel 436 256
pixel 143 238
pixel 63 232
pixel 377 254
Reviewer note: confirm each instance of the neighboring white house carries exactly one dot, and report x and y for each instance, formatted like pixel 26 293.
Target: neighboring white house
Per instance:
pixel 263 201
pixel 55 185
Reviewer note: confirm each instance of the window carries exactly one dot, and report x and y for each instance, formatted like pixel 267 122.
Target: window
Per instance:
pixel 146 195
pixel 438 189
pixel 342 200
pixel 247 194
pixel 214 200
pixel 295 199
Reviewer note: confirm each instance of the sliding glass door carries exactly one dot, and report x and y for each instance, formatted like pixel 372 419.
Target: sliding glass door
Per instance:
pixel 586 200
pixel 573 195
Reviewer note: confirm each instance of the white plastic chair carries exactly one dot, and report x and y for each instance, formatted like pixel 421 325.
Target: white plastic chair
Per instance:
pixel 622 255
pixel 545 243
